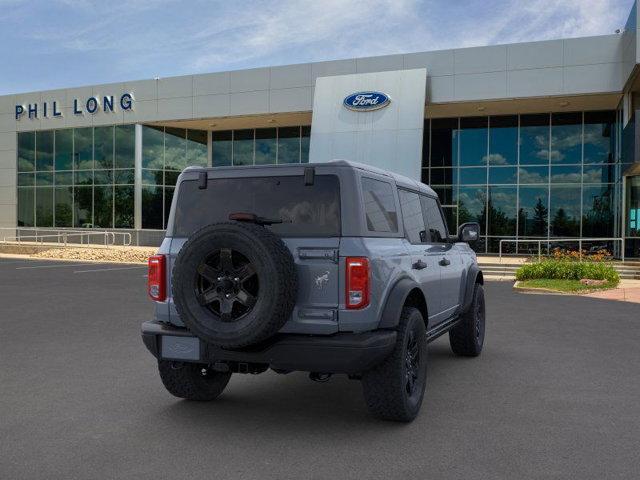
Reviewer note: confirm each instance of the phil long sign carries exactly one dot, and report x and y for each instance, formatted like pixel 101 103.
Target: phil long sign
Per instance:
pixel 91 105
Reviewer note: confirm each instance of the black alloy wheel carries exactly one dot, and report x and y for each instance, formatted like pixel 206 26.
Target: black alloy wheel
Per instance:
pixel 227 284
pixel 412 363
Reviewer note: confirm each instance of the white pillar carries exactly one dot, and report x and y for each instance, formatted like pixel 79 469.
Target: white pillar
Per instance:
pixel 137 196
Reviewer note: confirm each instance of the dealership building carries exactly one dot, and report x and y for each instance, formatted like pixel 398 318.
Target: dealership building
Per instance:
pixel 536 141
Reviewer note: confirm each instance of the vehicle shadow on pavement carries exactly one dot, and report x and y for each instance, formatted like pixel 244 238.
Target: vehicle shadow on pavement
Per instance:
pixel 292 401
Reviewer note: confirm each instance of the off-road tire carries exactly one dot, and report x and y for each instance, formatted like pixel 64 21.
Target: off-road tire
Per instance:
pixel 467 337
pixel 187 380
pixel 385 386
pixel 275 270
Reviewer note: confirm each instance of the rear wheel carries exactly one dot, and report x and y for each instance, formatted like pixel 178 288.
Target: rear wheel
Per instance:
pixel 467 337
pixel 192 381
pixel 394 389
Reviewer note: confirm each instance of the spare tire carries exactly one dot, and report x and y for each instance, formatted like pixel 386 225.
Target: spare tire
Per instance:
pixel 234 284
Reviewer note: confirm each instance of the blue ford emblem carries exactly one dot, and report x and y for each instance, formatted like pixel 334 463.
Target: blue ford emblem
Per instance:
pixel 366 101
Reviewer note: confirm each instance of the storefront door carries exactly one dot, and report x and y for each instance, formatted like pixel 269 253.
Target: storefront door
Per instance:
pixel 632 215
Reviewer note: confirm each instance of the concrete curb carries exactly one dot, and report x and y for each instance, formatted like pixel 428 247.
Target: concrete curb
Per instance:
pixel 539 291
pixel 549 291
pixel 500 278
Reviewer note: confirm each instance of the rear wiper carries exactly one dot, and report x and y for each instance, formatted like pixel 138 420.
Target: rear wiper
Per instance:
pixel 253 218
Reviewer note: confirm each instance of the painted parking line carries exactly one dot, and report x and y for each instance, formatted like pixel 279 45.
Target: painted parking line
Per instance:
pixel 27 261
pixel 108 269
pixel 57 265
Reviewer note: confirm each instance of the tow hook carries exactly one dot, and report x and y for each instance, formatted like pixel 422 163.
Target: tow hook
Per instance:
pixel 320 377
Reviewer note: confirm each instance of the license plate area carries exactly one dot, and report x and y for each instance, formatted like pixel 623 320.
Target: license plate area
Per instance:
pixel 180 348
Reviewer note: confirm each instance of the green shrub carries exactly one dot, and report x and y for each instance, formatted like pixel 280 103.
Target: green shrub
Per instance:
pixel 558 269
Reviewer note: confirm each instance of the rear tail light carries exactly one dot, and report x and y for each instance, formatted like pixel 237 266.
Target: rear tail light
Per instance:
pixel 357 280
pixel 156 281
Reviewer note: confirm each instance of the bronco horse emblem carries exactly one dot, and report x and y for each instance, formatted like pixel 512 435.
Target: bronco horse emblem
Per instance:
pixel 322 279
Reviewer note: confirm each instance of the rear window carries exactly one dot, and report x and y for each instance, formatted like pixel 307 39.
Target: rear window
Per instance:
pixel 306 211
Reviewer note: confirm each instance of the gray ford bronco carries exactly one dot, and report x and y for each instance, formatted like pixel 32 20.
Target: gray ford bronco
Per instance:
pixel 329 268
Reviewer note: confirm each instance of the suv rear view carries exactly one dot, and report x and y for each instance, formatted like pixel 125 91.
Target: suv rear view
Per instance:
pixel 297 268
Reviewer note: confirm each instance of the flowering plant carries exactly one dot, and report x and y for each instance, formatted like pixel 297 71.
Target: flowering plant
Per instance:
pixel 600 255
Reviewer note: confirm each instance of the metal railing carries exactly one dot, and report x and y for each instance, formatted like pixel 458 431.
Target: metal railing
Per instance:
pixel 78 238
pixel 549 242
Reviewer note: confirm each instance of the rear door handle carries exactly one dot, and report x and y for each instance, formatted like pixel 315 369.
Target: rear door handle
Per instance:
pixel 419 265
pixel 444 262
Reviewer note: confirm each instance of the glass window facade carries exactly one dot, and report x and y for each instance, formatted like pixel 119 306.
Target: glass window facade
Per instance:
pixel 165 153
pixel 85 177
pixel 535 176
pixel 260 146
pixel 633 207
pixel 80 177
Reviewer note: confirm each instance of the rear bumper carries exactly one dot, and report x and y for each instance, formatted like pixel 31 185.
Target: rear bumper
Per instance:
pixel 350 353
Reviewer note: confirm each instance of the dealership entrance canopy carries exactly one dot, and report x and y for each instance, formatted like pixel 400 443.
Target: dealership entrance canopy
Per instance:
pixel 536 141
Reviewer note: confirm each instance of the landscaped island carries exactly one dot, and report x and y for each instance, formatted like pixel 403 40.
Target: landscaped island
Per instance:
pixel 569 272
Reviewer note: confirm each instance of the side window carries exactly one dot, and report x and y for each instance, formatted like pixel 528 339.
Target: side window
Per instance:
pixel 433 219
pixel 379 206
pixel 412 216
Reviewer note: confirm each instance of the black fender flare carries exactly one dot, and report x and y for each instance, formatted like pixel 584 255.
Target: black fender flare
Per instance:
pixel 395 301
pixel 474 275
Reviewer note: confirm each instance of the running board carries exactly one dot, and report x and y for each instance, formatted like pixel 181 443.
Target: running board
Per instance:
pixel 442 328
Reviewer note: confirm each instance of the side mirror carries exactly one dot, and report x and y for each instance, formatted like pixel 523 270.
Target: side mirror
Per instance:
pixel 469 232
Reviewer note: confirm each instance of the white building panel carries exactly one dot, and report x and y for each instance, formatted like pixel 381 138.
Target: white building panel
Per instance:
pixel 211 83
pixel 371 137
pixel 437 63
pixel 249 80
pixel 535 55
pixel 480 59
pixel 175 87
pixel 291 76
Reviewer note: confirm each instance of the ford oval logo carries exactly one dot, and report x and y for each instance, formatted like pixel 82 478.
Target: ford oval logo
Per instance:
pixel 366 101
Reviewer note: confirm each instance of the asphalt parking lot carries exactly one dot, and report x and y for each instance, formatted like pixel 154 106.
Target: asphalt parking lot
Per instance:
pixel 555 394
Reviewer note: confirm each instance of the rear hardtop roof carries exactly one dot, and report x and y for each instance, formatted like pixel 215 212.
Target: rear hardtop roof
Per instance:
pixel 400 180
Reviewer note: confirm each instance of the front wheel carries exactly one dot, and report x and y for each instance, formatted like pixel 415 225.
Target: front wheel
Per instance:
pixel 192 381
pixel 467 337
pixel 394 389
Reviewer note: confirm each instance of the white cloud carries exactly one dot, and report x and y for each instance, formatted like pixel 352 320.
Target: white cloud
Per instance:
pixel 532 176
pixel 225 32
pixel 494 159
pixel 322 30
pixel 556 156
pixel 343 28
pixel 564 139
pixel 593 175
pixel 143 38
pixel 550 19
pixel 566 177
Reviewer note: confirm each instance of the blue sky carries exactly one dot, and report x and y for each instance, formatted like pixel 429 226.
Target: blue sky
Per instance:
pixel 46 44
